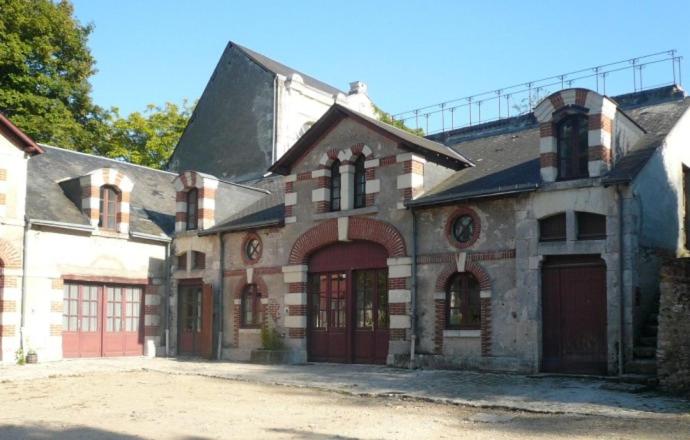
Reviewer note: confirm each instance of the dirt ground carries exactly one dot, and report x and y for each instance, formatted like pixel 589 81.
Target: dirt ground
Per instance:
pixel 161 406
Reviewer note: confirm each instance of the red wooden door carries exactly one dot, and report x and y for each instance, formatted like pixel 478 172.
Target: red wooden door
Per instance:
pixel 190 319
pixel 122 335
pixel 371 333
pixel 574 315
pixel 82 329
pixel 348 304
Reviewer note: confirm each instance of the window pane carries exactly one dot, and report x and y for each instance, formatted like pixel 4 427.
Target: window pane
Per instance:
pixel 552 228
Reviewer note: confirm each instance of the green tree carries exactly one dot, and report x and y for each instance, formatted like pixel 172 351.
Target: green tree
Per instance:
pixel 388 119
pixel 45 65
pixel 146 138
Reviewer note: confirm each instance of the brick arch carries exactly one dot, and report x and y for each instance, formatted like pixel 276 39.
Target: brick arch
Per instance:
pixel 472 267
pixel 345 155
pixel 359 228
pixel 9 256
pixel 256 279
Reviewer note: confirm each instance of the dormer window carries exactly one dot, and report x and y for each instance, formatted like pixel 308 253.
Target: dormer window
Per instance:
pixel 109 199
pixel 572 147
pixel 335 186
pixel 360 183
pixel 192 209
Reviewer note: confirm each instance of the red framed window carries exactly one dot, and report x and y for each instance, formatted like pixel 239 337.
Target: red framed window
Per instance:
pixel 463 307
pixel 335 186
pixel 360 183
pixel 573 145
pixel 252 313
pixel 109 199
pixel 192 209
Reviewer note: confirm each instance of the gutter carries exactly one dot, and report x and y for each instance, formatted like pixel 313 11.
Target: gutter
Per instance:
pixel 450 198
pixel 62 225
pixel 161 238
pixel 238 228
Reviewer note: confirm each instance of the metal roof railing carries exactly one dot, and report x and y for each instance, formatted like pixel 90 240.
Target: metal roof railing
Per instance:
pixel 646 72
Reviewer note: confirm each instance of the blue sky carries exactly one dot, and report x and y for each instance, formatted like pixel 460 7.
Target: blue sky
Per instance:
pixel 410 53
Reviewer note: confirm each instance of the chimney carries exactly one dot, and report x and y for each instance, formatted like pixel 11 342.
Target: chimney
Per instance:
pixel 357 87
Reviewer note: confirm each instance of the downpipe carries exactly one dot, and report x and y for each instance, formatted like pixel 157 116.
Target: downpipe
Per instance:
pixel 221 294
pixel 413 293
pixel 25 256
pixel 168 292
pixel 621 295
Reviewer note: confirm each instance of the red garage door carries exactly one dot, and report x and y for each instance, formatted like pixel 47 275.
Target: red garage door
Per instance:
pixel 102 320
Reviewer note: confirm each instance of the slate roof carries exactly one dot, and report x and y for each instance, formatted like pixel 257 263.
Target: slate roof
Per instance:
pixel 268 211
pixel 506 153
pixel 279 68
pixel 429 149
pixel 53 190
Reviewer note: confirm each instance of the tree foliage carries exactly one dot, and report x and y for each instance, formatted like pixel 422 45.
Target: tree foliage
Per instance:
pixel 388 119
pixel 45 65
pixel 147 138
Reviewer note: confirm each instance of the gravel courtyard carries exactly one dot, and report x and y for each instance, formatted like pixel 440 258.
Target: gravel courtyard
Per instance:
pixel 151 404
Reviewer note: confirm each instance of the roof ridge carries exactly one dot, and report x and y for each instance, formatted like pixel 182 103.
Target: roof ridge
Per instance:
pixel 105 158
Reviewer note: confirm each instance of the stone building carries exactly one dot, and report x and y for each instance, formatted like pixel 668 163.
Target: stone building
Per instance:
pixel 527 244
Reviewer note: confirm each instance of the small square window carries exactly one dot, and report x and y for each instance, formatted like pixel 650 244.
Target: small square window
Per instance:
pixel 552 228
pixel 591 226
pixel 182 261
pixel 198 260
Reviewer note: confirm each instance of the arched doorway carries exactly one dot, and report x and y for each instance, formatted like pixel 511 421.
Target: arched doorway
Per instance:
pixel 347 302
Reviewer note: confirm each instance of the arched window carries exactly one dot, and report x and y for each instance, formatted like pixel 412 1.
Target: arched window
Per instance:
pixel 572 141
pixel 110 197
pixel 252 315
pixel 360 182
pixel 335 186
pixel 192 209
pixel 552 228
pixel 463 309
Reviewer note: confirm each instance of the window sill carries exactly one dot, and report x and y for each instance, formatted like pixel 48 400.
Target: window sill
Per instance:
pixel 250 331
pixel 462 333
pixel 335 214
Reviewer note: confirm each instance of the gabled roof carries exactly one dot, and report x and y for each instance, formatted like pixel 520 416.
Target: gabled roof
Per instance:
pixel 53 191
pixel 430 150
pixel 18 137
pixel 281 69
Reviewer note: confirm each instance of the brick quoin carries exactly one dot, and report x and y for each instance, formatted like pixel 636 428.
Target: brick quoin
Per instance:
pixel 151 330
pixel 599 152
pixel 359 228
pixel 297 287
pixel 370 199
pixel 556 100
pixel 580 97
pixel 397 283
pixel 55 329
pixel 546 129
pixel 297 310
pixel 9 256
pixel 7 330
pixel 11 306
pixel 388 160
pixel 323 206
pixel 296 333
pixel 486 326
pixel 548 160
pixel 397 334
pixel 3 174
pixel 397 308
pixel 304 176
pixel 151 310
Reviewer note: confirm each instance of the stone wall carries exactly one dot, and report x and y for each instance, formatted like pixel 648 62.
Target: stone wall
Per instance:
pixel 673 346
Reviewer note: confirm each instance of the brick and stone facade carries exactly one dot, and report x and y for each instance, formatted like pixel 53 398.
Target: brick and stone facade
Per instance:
pixel 91 185
pixel 206 186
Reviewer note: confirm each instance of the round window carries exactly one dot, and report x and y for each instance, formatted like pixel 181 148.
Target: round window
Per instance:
pixel 253 249
pixel 463 228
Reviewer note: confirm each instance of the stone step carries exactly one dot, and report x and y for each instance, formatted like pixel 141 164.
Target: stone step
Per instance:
pixel 645 352
pixel 641 366
pixel 647 341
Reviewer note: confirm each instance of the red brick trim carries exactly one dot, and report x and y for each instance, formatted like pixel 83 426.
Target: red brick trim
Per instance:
pixel 486 326
pixel 439 324
pixel 548 160
pixel 256 279
pixel 9 256
pixel 359 228
pixel 470 266
pixel 599 152
pixel 471 256
pixel 104 279
pixel 463 210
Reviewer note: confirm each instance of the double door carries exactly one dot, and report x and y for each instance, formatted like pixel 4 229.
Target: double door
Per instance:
pixel 102 320
pixel 348 316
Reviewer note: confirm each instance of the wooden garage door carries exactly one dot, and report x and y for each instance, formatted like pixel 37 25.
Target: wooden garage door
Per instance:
pixel 102 320
pixel 574 315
